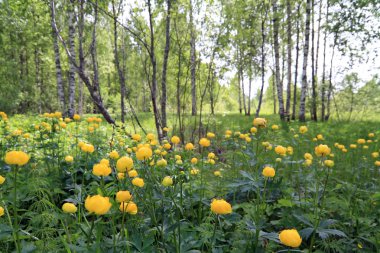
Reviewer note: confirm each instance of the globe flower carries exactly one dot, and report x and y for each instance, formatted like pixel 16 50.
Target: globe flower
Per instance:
pixel 150 136
pixel 268 172
pixel 162 163
pixel 290 238
pixel 211 155
pixel 136 137
pixel 278 159
pixel 132 173
pixel 105 162
pixel 280 150
pixel 320 137
pixel 189 146
pixel 129 207
pixel 217 173
pixel 210 135
pixel 204 142
pixel 175 140
pixel 228 132
pixel 1 211
pixel 253 130
pixel 97 204
pixel 194 160
pixel 167 146
pixel 144 153
pixel 211 161
pixel 167 181
pixel 371 135
pixel 308 162
pixel 101 170
pixel 2 180
pixel 308 156
pixel 194 171
pixel 260 122
pixel 76 117
pixel 289 150
pixel 87 148
pixel 139 182
pixel 248 139
pixel 353 146
pixel 375 154
pixel 329 163
pixel 166 129
pixel 275 127
pixel 16 158
pixel 220 206
pixel 377 163
pixel 114 155
pixel 361 141
pixel 322 150
pixel 124 163
pixel 303 129
pixel 123 196
pixel 69 208
pixel 69 159
pixel 177 157
pixel 120 175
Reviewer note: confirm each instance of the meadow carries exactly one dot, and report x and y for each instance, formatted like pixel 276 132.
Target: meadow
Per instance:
pixel 245 185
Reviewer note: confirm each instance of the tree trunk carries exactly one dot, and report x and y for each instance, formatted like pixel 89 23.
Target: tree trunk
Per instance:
pixel 289 72
pixel 274 93
pixel 330 83
pixel 192 63
pixel 164 67
pixel 243 92
pixel 71 107
pixel 154 75
pixel 81 97
pixel 304 66
pixel 58 70
pixel 249 94
pixel 313 72
pixel 296 67
pixel 323 110
pixel 277 60
pixel 239 90
pixel 262 61
pixel 38 79
pixel 117 64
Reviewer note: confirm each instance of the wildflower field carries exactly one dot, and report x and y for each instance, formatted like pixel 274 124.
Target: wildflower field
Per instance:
pixel 247 185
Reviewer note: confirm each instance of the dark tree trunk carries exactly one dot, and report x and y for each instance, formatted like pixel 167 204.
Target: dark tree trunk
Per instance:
pixel 313 73
pixel 192 63
pixel 289 47
pixel 72 70
pixel 164 67
pixel 323 110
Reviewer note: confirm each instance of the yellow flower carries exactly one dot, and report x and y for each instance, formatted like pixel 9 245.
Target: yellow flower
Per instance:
pixel 175 140
pixel 167 181
pixel 248 139
pixel 220 206
pixel 320 137
pixel 308 162
pixel 377 163
pixel 162 163
pixel 150 136
pixel 353 146
pixel 69 159
pixel 253 130
pixel 275 127
pixel 194 171
pixel 105 162
pixel 123 196
pixel 278 160
pixel 76 117
pixel 361 141
pixel 375 154
pixel 2 180
pixel 204 142
pixel 69 208
pixel 194 160
pixel 120 175
pixel 167 146
pixel 210 135
pixel 260 122
pixel 303 129
pixel 228 132
pixel 322 150
pixel 308 156
pixel 129 207
pixel 211 155
pixel 290 238
pixel 97 204
pixel 1 211
pixel 289 150
pixel 217 173
pixel 87 148
pixel 132 173
pixel 178 162
pixel 280 150
pixel 371 135
pixel 177 157
pixel 124 163
pixel 269 172
pixel 136 137
pixel 329 163
pixel 101 169
pixel 211 161
pixel 114 155
pixel 189 146
pixel 139 182
pixel 16 158
pixel 144 153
